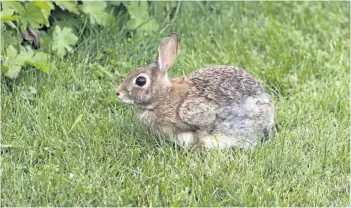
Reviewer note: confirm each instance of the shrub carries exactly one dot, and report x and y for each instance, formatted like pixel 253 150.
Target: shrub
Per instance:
pixel 36 33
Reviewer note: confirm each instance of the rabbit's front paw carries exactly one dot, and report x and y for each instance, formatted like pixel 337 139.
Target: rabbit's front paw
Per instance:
pixel 186 139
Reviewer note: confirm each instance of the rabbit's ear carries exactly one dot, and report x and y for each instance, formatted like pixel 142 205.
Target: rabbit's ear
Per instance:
pixel 167 52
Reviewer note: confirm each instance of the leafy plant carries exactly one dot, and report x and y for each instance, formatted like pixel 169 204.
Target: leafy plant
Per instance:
pixel 63 40
pixel 35 33
pixel 15 60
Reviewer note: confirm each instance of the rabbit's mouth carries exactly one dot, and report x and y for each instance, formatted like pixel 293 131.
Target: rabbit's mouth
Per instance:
pixel 123 99
pixel 126 101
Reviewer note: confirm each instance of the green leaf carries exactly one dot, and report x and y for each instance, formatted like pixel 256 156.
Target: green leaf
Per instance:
pixel 12 63
pixel 26 54
pixel 41 61
pixel 151 25
pixel 9 36
pixel 137 10
pixel 7 12
pixel 11 52
pixel 14 6
pixel 45 15
pixel 45 5
pixel 69 5
pixel 139 15
pixel 32 16
pixel 63 40
pixel 96 12
pixel 8 17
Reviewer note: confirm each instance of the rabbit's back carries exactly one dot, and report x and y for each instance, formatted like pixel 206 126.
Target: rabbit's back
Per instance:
pixel 225 84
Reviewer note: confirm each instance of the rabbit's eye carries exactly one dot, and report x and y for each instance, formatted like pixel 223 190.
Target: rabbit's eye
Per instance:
pixel 140 81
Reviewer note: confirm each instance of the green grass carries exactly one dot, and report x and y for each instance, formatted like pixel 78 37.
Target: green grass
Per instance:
pixel 71 143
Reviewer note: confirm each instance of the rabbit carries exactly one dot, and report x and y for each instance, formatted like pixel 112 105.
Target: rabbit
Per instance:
pixel 213 107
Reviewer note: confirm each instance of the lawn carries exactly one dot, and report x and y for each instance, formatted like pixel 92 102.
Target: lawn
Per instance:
pixel 67 141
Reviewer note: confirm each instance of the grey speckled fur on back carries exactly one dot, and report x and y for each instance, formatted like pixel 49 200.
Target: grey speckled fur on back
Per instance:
pixel 228 84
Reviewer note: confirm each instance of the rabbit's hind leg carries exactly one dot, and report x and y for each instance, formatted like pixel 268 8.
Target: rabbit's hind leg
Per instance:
pixel 223 141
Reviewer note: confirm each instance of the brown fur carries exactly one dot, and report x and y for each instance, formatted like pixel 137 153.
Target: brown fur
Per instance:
pixel 219 100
